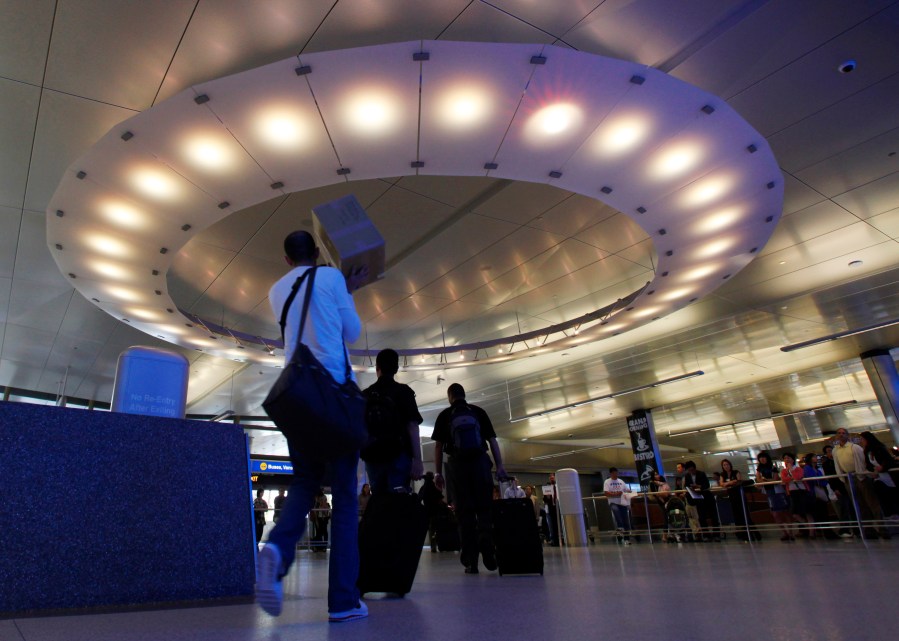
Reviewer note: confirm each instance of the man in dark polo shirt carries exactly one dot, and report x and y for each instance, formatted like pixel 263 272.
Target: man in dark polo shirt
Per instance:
pixel 464 432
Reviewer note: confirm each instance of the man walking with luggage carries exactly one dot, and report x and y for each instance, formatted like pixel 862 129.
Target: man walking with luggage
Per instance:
pixel 332 320
pixel 464 432
pixel 393 457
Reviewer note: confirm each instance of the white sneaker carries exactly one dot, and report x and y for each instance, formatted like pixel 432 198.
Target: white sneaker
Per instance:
pixel 349 615
pixel 627 541
pixel 847 535
pixel 269 591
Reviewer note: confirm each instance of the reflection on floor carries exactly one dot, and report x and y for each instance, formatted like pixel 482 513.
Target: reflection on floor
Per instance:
pixel 772 591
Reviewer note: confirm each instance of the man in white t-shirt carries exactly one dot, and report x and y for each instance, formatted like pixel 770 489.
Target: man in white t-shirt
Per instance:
pixel 616 491
pixel 332 320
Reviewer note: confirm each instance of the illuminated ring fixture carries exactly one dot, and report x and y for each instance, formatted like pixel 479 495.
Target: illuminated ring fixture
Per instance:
pixel 677 160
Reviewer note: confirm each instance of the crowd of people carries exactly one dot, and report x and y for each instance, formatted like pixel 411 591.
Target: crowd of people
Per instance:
pixel 827 494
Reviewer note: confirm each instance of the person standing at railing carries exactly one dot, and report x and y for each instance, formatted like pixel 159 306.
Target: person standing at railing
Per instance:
pixel 616 491
pixel 259 509
pixel 817 491
pixel 843 506
pixel 660 485
pixel 699 494
pixel 791 477
pixel 849 459
pixel 777 494
pixel 881 462
pixel 732 481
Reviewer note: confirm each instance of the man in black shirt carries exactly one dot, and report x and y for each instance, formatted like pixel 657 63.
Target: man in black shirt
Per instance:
pixel 703 499
pixel 393 457
pixel 464 432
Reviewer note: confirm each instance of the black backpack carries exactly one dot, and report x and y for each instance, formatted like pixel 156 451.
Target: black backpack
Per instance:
pixel 465 430
pixel 386 430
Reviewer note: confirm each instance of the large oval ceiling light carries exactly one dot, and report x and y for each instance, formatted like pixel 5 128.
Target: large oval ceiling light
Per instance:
pixel 123 215
pixel 554 120
pixel 371 112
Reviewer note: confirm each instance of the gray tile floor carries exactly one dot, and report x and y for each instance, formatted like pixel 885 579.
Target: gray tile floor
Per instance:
pixel 826 591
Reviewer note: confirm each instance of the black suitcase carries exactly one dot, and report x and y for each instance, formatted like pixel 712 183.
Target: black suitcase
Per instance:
pixel 391 535
pixel 447 531
pixel 515 535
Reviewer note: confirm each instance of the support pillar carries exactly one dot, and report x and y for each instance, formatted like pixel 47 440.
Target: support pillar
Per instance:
pixel 881 370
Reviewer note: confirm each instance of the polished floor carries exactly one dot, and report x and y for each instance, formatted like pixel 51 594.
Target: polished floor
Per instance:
pixel 728 591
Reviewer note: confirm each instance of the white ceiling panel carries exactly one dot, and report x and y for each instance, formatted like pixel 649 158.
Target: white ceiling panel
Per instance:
pixel 21 374
pixel 643 254
pixel 244 283
pixel 125 56
pixel 483 23
pixel 470 236
pixel 798 195
pixel 24 38
pixel 613 234
pixel 573 216
pixel 33 260
pixel 801 88
pixel 561 260
pixel 874 198
pixel 84 320
pixel 504 257
pixel 358 23
pixel 5 288
pixel 10 221
pixel 407 312
pixel 373 300
pixel 27 344
pixel 66 127
pixel 766 38
pixel 231 233
pixel 825 134
pixel 521 202
pixel 228 36
pixel 41 307
pixel 194 269
pixel 367 109
pixel 467 102
pixel 646 31
pixel 888 223
pixel 808 224
pixel 556 19
pixel 18 104
pixel 449 190
pixel 857 166
pixel 404 219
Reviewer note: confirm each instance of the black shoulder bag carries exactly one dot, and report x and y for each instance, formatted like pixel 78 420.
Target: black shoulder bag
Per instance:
pixel 307 404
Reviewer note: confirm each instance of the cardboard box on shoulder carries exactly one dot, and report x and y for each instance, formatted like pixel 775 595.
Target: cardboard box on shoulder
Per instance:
pixel 348 238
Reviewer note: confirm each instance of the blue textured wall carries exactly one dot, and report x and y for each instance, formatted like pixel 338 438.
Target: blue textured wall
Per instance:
pixel 109 509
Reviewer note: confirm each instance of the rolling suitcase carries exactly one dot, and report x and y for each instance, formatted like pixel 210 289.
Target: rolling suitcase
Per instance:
pixel 391 536
pixel 515 536
pixel 447 531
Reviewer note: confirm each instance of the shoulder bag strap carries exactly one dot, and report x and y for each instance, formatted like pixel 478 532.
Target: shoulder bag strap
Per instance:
pixel 293 294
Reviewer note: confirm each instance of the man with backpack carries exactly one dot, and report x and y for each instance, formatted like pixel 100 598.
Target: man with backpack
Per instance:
pixel 464 432
pixel 393 455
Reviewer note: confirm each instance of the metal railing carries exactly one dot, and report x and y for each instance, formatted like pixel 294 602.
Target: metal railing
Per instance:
pixel 857 523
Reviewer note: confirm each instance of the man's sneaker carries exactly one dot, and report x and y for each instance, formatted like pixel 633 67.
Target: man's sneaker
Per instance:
pixel 847 535
pixel 359 612
pixel 269 591
pixel 471 569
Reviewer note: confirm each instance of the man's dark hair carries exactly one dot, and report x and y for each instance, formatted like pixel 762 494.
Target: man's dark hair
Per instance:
pixel 689 464
pixel 388 361
pixel 299 246
pixel 456 391
pixel 827 447
pixel 613 469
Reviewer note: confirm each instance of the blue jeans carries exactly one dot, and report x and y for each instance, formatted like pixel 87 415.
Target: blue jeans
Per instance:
pixel 309 471
pixel 622 516
pixel 386 477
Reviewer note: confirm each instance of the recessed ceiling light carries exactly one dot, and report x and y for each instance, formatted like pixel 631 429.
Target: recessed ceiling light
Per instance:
pixel 783 262
pixel 856 263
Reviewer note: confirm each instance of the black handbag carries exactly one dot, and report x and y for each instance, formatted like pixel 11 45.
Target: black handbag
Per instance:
pixel 307 404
